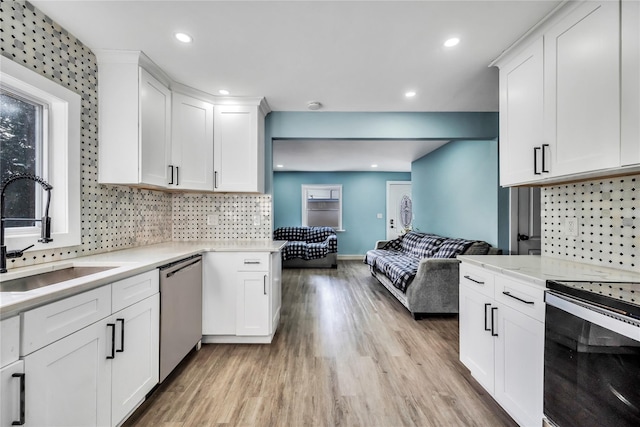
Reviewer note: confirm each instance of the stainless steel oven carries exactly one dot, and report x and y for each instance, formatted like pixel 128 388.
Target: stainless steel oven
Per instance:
pixel 592 354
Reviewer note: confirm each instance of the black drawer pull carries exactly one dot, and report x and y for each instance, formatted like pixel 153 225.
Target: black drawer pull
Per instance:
pixel 113 340
pixel 519 299
pixel 23 402
pixel 474 280
pixel 493 332
pixel 121 350
pixel 535 160
pixel 486 328
pixel 544 166
pixel 251 262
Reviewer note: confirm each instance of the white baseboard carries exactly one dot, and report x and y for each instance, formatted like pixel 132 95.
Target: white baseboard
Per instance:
pixel 350 257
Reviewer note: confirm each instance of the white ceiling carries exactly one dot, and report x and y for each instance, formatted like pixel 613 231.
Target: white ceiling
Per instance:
pixel 350 155
pixel 348 55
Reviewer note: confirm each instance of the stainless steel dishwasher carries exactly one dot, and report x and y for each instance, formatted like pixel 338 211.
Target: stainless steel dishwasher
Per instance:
pixel 180 311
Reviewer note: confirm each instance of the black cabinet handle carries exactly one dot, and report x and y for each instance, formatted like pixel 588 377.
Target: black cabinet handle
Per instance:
pixel 493 332
pixel 535 160
pixel 177 175
pixel 171 167
pixel 264 284
pixel 544 167
pixel 473 280
pixel 515 297
pixel 113 340
pixel 121 336
pixel 486 328
pixel 215 179
pixel 23 402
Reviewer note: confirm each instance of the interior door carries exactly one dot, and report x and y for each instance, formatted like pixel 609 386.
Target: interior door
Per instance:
pixel 399 212
pixel 525 216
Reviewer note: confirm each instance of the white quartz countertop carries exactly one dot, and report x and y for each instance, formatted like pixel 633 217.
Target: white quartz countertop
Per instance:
pixel 126 263
pixel 537 269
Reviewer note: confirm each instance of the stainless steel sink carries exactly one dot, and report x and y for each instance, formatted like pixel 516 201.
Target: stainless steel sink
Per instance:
pixel 29 283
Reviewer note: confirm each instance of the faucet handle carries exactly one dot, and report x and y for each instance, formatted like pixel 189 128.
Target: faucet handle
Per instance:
pixel 17 253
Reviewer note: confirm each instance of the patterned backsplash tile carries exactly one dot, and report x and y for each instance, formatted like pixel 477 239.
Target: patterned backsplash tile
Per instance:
pixel 608 222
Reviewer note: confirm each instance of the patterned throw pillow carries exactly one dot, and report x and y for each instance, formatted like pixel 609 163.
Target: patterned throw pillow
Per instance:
pixel 450 248
pixel 290 233
pixel 428 245
pixel 410 241
pixel 319 234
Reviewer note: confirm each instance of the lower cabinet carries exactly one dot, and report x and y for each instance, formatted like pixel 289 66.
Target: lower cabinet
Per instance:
pixel 11 388
pixel 502 340
pixel 100 372
pixel 241 296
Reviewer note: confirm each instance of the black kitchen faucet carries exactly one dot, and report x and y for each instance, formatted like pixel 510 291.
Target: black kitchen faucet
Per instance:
pixel 45 235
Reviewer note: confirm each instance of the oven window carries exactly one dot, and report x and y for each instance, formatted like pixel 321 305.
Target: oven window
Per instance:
pixel 591 374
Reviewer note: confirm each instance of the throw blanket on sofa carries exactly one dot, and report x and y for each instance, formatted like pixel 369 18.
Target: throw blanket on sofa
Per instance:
pixel 399 259
pixel 307 242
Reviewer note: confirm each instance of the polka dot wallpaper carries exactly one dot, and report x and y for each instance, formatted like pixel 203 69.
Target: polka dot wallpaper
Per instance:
pixel 115 217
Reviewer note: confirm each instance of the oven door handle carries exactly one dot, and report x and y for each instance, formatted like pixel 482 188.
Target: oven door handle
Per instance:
pixel 600 316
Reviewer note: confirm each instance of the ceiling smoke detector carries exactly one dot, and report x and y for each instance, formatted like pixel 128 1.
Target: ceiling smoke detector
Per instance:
pixel 314 105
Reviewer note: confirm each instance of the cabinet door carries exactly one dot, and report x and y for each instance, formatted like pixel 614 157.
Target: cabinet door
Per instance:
pixel 521 116
pixel 68 383
pixel 476 342
pixel 192 144
pixel 10 384
pixel 155 135
pixel 519 365
pixel 630 148
pixel 252 304
pixel 237 149
pixel 135 366
pixel 219 293
pixel 582 89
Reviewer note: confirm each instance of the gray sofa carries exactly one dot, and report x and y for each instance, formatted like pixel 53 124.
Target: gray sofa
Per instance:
pixel 421 270
pixel 308 247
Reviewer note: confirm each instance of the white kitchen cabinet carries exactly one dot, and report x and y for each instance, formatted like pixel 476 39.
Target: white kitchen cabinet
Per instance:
pixel 9 340
pixel 135 366
pixel 521 116
pixel 90 359
pixel 582 89
pixel 239 148
pixel 135 120
pixel 630 75
pixel 191 144
pixel 502 340
pixel 69 381
pixel 11 387
pixel 241 297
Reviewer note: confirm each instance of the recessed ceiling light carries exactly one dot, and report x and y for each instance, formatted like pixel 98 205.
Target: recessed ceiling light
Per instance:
pixel 374 166
pixel 452 42
pixel 410 94
pixel 223 92
pixel 279 166
pixel 184 38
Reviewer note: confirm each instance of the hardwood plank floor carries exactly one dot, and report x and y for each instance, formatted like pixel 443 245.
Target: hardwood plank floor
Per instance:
pixel 346 354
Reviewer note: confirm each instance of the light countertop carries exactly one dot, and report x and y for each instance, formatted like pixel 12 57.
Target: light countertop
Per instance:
pixel 538 269
pixel 127 263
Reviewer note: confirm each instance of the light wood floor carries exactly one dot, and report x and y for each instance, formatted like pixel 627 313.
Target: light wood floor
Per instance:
pixel 346 354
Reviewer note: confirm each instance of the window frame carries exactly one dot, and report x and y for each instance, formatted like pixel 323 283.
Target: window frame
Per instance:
pixel 307 187
pixel 60 156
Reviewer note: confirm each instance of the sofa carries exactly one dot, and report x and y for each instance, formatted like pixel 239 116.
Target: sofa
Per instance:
pixel 308 247
pixel 421 270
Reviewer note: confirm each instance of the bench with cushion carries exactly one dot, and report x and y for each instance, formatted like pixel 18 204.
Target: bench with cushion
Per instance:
pixel 421 270
pixel 308 247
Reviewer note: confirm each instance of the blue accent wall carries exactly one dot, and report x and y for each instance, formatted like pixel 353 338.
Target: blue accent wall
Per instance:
pixel 456 192
pixel 364 196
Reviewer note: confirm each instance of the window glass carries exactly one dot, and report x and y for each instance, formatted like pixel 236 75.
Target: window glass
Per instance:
pixel 20 152
pixel 322 206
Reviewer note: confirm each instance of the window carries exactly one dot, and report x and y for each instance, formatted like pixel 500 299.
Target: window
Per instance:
pixel 322 206
pixel 40 135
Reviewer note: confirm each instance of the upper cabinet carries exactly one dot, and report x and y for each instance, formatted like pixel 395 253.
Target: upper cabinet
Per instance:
pixel 561 93
pixel 156 133
pixel 191 165
pixel 239 147
pixel 582 89
pixel 630 149
pixel 135 122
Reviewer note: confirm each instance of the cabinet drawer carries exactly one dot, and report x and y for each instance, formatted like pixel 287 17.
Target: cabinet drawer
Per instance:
pixel 9 340
pixel 133 289
pixel 49 323
pixel 252 261
pixel 520 296
pixel 478 278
